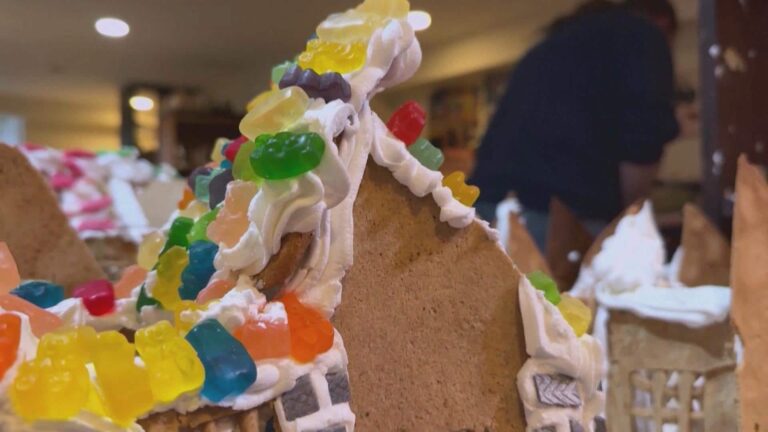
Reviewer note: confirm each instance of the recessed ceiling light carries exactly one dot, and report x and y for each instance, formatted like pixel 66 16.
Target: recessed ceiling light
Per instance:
pixel 419 20
pixel 112 27
pixel 141 103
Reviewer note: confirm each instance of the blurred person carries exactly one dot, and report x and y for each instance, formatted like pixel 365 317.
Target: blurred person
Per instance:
pixel 585 117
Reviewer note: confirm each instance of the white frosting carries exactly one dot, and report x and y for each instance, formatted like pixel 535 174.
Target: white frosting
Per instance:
pixel 509 206
pixel 232 309
pixel 74 313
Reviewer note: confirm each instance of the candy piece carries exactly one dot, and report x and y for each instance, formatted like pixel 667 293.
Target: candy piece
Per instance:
pixel 184 322
pixel 329 86
pixel 171 361
pixel 217 154
pixel 266 335
pixel 203 183
pixel 461 191
pixel 132 277
pixel 385 8
pixel 576 313
pixel 185 199
pixel 124 386
pixel 429 155
pixel 145 300
pixel 544 283
pixel 214 291
pixel 10 334
pixel 199 270
pixel 233 147
pixel 348 27
pixel 55 385
pixel 9 273
pixel 199 171
pixel 241 168
pixel 149 249
pixel 217 188
pixel 179 232
pixel 40 319
pixel 311 332
pixel 286 155
pixel 98 296
pixel 279 70
pixel 96 204
pixel 195 210
pixel 229 371
pixel 40 293
pixel 199 230
pixel 274 111
pixel 408 122
pixel 324 56
pixel 169 268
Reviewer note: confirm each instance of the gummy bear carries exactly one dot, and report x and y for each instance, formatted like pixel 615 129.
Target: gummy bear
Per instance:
pixel 214 291
pixel 184 322
pixel 10 335
pixel 266 335
pixel 229 370
pixel 408 122
pixel 385 8
pixel 9 273
pixel 241 168
pixel 185 199
pixel 40 293
pixel 348 27
pixel 233 147
pixel 461 191
pixel 325 56
pixel 279 70
pixel 311 332
pixel 217 154
pixel 329 86
pixel 218 187
pixel 149 249
pixel 199 230
pixel 169 269
pixel 177 235
pixel 124 386
pixel 171 361
pixel 577 314
pixel 195 210
pixel 199 270
pixel 145 300
pixel 98 296
pixel 132 277
pixel 274 111
pixel 40 319
pixel 202 185
pixel 55 385
pixel 429 155
pixel 544 283
pixel 286 154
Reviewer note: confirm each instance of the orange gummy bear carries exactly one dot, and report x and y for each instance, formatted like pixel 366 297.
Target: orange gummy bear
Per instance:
pixel 214 291
pixel 40 320
pixel 132 277
pixel 9 273
pixel 10 334
pixel 265 336
pixel 232 220
pixel 186 198
pixel 311 332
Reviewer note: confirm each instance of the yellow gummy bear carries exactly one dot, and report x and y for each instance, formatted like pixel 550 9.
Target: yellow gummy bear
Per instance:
pixel 349 27
pixel 385 8
pixel 124 386
pixel 169 268
pixel 325 56
pixel 173 365
pixel 577 314
pixel 217 154
pixel 195 209
pixel 462 192
pixel 183 326
pixel 274 111
pixel 149 249
pixel 55 385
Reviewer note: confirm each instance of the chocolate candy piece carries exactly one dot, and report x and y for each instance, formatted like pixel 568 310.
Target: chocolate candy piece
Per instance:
pixel 328 86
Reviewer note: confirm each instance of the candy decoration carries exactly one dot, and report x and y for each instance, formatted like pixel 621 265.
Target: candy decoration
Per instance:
pixel 214 291
pixel 171 361
pixel 233 147
pixel 311 332
pixel 266 335
pixel 199 231
pixel 385 8
pixel 169 269
pixel 125 387
pixel 195 210
pixel 577 314
pixel 279 71
pixel 149 249
pixel 10 335
pixel 185 199
pixel 182 321
pixel 9 273
pixel 40 319
pixel 229 371
pixel 348 27
pixel 217 154
pixel 461 191
pixel 199 270
pixel 218 187
pixel 179 233
pixel 286 155
pixel 274 111
pixel 544 283
pixel 407 122
pixel 232 220
pixel 145 300
pixel 40 293
pixel 241 168
pixel 329 86
pixel 202 185
pixel 98 296
pixel 132 277
pixel 325 56
pixel 199 171
pixel 429 155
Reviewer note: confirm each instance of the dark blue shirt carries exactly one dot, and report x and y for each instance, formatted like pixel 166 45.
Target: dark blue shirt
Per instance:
pixel 596 92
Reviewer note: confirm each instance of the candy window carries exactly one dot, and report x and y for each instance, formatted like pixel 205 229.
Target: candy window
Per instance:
pixel 666 401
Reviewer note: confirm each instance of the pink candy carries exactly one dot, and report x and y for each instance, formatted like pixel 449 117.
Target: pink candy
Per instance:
pixel 96 225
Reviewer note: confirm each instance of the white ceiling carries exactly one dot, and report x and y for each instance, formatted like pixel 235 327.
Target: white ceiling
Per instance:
pixel 49 49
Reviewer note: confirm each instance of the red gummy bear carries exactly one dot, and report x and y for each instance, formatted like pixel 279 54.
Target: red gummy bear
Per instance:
pixel 10 334
pixel 408 122
pixel 98 296
pixel 233 147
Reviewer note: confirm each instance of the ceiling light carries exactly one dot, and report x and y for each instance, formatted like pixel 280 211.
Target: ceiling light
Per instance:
pixel 112 27
pixel 141 103
pixel 419 20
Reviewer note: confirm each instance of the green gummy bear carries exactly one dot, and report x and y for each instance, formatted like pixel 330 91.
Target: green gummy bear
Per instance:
pixel 429 155
pixel 287 154
pixel 202 183
pixel 178 234
pixel 242 169
pixel 145 300
pixel 199 230
pixel 279 70
pixel 542 282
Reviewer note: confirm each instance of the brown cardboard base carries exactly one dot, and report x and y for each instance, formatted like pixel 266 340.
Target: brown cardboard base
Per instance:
pixel 706 252
pixel 430 319
pixel 565 234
